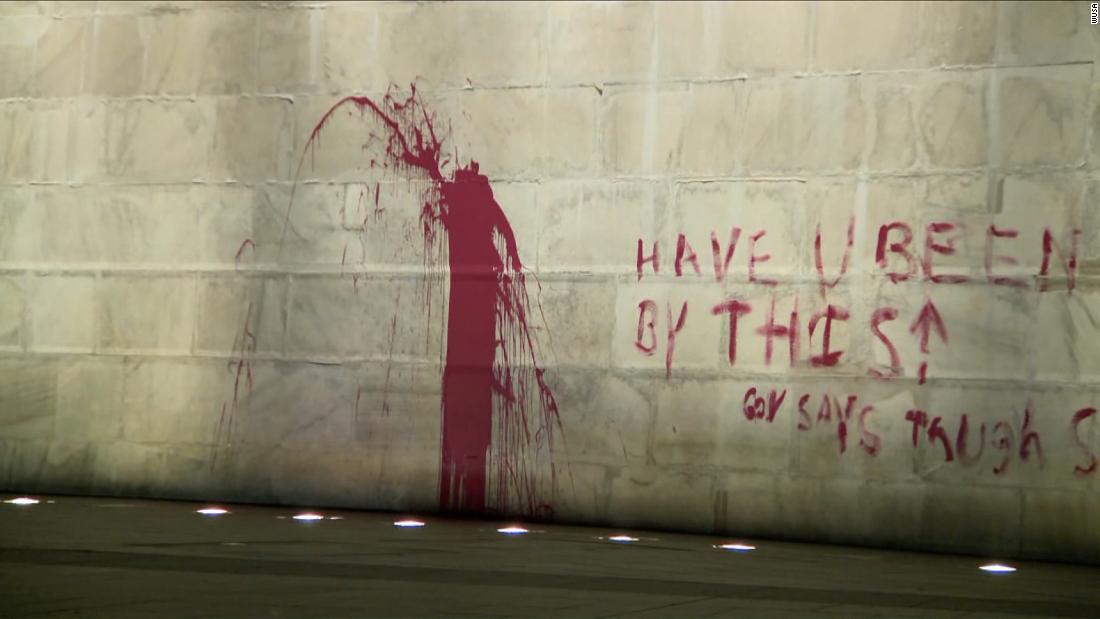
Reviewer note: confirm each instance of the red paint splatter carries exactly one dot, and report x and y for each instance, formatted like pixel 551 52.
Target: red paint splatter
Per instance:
pixel 499 416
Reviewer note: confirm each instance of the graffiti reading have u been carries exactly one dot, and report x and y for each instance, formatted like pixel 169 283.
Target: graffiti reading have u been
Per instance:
pixel 900 255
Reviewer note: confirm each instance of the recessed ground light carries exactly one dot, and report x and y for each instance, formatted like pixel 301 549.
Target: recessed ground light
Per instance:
pixel 622 538
pixel 512 530
pixel 736 547
pixel 212 511
pixel 309 517
pixel 997 568
pixel 23 500
pixel 335 517
pixel 408 523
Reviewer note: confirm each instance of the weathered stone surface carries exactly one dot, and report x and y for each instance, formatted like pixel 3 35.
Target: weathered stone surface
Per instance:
pixel 860 225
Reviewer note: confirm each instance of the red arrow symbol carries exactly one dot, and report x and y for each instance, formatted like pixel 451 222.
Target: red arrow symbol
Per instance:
pixel 928 318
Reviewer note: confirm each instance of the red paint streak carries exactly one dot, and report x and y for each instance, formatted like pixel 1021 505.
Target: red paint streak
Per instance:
pixel 734 308
pixel 1069 265
pixel 753 406
pixel 880 316
pixel 842 417
pixel 1004 443
pixel 721 266
pixel 937 433
pixel 649 307
pixel 358 395
pixel 389 358
pixel 818 262
pixel 900 248
pixel 931 247
pixel 683 248
pixel 919 419
pixel 1078 417
pixel 240 250
pixel 961 442
pixel 990 258
pixel 804 419
pixel 825 411
pixel 494 389
pixel 775 401
pixel 770 331
pixel 828 357
pixel 1029 438
pixel 868 441
pixel 757 407
pixel 672 332
pixel 755 259
pixel 928 319
pixel 654 259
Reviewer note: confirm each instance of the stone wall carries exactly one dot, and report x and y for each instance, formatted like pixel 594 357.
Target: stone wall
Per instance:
pixel 199 301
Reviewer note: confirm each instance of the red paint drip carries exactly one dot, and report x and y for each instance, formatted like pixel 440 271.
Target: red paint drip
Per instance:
pixel 488 461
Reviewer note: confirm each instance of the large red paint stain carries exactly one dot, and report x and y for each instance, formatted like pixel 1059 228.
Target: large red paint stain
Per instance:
pixel 496 407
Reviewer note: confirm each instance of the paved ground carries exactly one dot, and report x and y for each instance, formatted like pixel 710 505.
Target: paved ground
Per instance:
pixel 120 558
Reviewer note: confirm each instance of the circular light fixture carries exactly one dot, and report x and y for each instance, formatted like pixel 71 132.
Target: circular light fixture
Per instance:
pixel 512 530
pixel 408 523
pixel 309 517
pixel 997 568
pixel 212 511
pixel 23 500
pixel 736 547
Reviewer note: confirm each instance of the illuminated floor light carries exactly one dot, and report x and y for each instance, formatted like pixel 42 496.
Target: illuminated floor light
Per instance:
pixel 335 517
pixel 736 547
pixel 512 530
pixel 408 523
pixel 625 539
pixel 997 568
pixel 309 517
pixel 23 500
pixel 212 511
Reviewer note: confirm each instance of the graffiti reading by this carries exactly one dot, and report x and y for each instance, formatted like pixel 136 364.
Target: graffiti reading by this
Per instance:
pixel 804 338
pixel 898 257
